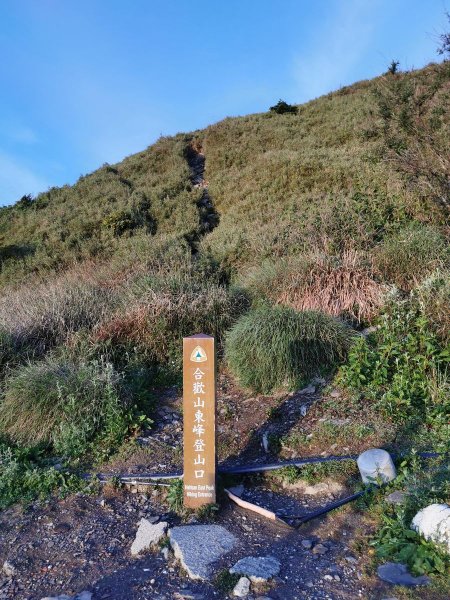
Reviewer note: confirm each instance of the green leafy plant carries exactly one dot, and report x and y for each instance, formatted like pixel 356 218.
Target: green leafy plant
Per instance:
pixel 398 365
pixel 175 495
pixel 225 581
pixel 26 475
pixel 396 541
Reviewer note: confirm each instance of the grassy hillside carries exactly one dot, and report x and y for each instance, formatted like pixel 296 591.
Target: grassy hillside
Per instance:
pixel 338 212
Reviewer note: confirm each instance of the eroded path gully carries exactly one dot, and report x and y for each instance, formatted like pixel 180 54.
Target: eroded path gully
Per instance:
pixel 208 216
pixel 83 542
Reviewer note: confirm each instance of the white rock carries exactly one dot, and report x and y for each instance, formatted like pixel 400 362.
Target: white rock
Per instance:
pixel 9 569
pixel 242 588
pixel 257 568
pixel 147 535
pixel 433 522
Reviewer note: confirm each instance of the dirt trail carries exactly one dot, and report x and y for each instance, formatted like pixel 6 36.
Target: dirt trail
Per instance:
pixel 208 216
pixel 83 543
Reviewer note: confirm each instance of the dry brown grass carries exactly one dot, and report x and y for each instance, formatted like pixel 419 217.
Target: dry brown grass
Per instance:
pixel 338 287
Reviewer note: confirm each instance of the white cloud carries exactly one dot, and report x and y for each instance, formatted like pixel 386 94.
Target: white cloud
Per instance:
pixel 17 180
pixel 335 49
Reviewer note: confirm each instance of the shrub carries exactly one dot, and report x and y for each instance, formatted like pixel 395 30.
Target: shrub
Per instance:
pixel 65 404
pixel 402 368
pixel 393 67
pixel 407 257
pixel 271 347
pixel 24 476
pixel 41 316
pixel 282 107
pixel 337 286
pixel 157 319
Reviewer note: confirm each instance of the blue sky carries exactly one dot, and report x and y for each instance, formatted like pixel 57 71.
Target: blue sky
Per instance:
pixel 88 82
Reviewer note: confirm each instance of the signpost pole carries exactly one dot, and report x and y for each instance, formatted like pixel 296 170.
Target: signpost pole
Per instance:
pixel 199 420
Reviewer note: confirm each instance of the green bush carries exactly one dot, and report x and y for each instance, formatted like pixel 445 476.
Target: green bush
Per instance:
pixel 272 347
pixel 66 405
pixel 282 107
pixel 402 367
pixel 407 257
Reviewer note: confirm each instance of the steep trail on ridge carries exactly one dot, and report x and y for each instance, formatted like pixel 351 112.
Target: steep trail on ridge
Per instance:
pixel 208 215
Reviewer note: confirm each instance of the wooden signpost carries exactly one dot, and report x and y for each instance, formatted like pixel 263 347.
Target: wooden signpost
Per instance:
pixel 199 420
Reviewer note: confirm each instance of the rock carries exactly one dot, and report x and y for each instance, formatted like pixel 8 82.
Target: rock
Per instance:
pixel 242 588
pixel 307 544
pixel 332 487
pixel 81 596
pixel 307 390
pixel 324 487
pixel 320 549
pixel 318 381
pixel 165 553
pixel 9 569
pixel 237 490
pixel 351 559
pixel 396 497
pixel 303 410
pixel 433 522
pixel 257 568
pixel 398 574
pixel 198 546
pixel 265 441
pixel 335 394
pixel 147 535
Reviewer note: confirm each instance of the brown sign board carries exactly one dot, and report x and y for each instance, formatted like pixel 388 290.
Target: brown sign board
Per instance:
pixel 199 420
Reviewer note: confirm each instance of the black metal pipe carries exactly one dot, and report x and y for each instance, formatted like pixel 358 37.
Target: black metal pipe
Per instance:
pixel 255 468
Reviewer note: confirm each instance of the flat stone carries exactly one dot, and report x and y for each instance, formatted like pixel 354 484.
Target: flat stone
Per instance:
pixel 147 535
pixel 242 588
pixel 257 568
pixel 198 546
pixel 307 544
pixel 398 574
pixel 396 497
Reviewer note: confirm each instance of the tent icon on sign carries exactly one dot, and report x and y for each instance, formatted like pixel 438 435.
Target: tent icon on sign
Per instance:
pixel 198 355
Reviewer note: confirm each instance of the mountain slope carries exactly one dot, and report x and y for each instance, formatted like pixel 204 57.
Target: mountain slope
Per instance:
pixel 282 184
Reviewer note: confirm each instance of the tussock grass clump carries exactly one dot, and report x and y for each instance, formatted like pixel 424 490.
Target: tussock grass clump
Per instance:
pixel 407 257
pixel 272 347
pixel 42 316
pixel 341 287
pixel 156 318
pixel 65 404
